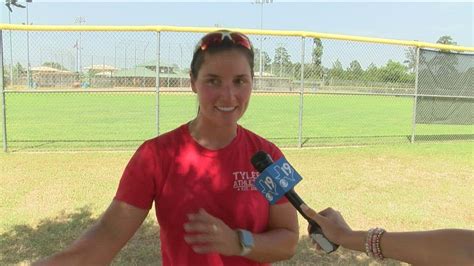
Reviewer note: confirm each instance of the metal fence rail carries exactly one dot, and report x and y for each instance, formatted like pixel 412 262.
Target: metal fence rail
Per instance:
pixel 96 87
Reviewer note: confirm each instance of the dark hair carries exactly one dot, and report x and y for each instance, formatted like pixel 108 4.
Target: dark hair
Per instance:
pixel 225 45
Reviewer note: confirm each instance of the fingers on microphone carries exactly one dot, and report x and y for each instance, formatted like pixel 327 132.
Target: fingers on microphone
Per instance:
pixel 308 211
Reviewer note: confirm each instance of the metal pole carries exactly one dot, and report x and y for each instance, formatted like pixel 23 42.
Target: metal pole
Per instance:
pixel 261 47
pixel 11 49
pixel 28 67
pixel 281 62
pixel 77 56
pixel 115 55
pixel 157 79
pixel 144 61
pixel 413 126
pixel 80 51
pixel 300 123
pixel 125 61
pixel 91 70
pixel 135 65
pixel 168 67
pixel 2 91
pixel 180 64
pixel 80 21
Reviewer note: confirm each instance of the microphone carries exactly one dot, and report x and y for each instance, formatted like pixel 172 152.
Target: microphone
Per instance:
pixel 276 180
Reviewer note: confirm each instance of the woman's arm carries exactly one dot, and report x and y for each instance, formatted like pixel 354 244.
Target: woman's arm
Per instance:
pixel 209 234
pixel 438 247
pixel 100 243
pixel 280 240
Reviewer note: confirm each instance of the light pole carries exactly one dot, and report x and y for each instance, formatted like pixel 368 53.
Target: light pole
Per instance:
pixel 28 68
pixel 135 63
pixel 168 67
pixel 119 44
pixel 80 21
pixel 180 65
pixel 11 48
pixel 261 2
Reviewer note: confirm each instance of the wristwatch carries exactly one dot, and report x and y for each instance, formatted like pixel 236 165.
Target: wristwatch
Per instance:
pixel 246 241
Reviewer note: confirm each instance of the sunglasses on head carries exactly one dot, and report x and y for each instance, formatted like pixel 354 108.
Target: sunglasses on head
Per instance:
pixel 216 39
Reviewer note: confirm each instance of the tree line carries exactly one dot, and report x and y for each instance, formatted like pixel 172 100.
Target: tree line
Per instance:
pixel 392 72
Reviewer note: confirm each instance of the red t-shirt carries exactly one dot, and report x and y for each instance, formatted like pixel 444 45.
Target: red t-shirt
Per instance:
pixel 181 177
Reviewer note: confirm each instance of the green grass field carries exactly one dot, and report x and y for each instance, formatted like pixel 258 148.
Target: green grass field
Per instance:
pixel 48 199
pixel 116 121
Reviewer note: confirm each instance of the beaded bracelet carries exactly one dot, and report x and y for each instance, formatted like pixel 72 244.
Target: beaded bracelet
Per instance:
pixel 368 239
pixel 372 243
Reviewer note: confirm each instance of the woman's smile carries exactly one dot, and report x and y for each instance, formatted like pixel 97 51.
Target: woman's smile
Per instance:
pixel 226 108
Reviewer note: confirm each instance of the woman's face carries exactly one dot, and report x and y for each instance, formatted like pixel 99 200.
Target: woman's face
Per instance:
pixel 223 85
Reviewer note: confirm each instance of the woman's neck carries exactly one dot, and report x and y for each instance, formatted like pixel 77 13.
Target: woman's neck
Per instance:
pixel 210 136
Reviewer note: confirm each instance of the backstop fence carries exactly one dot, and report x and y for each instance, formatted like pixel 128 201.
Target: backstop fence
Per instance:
pixel 111 87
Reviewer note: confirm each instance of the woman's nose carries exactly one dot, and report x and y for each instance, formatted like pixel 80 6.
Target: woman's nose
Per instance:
pixel 228 91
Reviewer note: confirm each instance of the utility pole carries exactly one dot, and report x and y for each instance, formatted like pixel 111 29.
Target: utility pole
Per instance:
pixel 80 21
pixel 28 67
pixel 11 49
pixel 261 2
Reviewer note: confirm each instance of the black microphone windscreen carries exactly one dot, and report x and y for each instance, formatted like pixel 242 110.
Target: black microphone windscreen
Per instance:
pixel 261 160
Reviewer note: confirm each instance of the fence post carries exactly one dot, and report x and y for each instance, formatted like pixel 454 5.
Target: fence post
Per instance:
pixel 415 98
pixel 2 92
pixel 300 122
pixel 157 80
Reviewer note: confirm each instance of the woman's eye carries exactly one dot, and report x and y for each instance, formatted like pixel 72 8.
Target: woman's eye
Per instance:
pixel 240 81
pixel 213 81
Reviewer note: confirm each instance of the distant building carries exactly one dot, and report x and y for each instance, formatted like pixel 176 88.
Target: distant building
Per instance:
pixel 144 75
pixel 103 69
pixel 43 76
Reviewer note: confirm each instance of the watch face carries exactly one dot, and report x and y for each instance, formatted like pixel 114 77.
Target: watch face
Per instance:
pixel 246 238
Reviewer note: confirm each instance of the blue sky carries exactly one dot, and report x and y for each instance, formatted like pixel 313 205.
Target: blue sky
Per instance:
pixel 425 21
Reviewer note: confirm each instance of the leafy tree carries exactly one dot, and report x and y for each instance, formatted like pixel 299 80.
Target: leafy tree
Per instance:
pixel 355 70
pixel 317 53
pixel 445 62
pixel 18 70
pixel 308 74
pixel 281 61
pixel 316 57
pixel 446 39
pixel 394 72
pixel 336 71
pixel 371 73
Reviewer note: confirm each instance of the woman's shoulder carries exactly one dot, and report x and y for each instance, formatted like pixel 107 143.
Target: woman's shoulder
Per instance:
pixel 256 139
pixel 250 134
pixel 168 138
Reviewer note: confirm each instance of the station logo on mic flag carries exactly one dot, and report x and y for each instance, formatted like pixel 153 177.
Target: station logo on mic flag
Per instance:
pixel 277 179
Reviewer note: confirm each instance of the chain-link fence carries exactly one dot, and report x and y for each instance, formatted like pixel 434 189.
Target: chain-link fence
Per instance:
pixel 112 88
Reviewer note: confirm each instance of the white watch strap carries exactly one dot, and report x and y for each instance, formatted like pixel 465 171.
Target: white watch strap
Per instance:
pixel 246 241
pixel 245 250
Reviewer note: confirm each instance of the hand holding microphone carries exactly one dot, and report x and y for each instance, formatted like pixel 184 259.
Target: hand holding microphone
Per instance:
pixel 277 180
